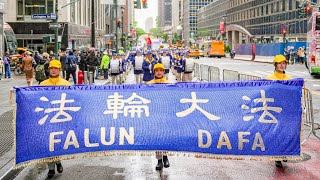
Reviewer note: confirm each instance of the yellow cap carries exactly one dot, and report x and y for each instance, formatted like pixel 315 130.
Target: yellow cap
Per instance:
pixel 159 65
pixel 279 58
pixel 55 63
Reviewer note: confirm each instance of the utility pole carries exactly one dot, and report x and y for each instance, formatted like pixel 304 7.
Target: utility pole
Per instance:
pixel 56 42
pixel 93 26
pixel 122 36
pixel 116 34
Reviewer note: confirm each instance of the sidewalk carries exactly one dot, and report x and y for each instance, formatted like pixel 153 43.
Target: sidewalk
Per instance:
pixel 264 59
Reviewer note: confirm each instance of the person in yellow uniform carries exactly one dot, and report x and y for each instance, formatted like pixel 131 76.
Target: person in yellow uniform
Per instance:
pixel 159 78
pixel 55 80
pixel 159 75
pixel 280 63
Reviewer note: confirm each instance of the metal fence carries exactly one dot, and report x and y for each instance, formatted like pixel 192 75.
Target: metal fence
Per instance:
pixel 204 71
pixel 308 115
pixel 214 73
pixel 246 77
pixel 230 75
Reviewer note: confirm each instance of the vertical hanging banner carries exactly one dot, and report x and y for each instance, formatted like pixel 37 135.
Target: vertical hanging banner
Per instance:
pixel 238 119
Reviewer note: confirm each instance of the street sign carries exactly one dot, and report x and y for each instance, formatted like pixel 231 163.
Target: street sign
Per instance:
pixel 108 35
pixel 54 25
pixel 44 16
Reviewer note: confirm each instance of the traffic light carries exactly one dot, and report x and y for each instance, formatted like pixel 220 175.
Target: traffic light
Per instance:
pixel 144 4
pixel 308 10
pixel 302 11
pixel 137 4
pixel 119 23
pixel 284 32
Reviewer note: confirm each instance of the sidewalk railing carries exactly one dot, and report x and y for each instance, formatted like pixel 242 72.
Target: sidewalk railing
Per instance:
pixel 210 73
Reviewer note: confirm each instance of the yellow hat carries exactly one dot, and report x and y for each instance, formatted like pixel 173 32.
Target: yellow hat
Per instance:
pixel 55 63
pixel 279 58
pixel 158 65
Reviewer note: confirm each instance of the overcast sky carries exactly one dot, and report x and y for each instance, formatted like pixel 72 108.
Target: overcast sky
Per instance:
pixel 142 14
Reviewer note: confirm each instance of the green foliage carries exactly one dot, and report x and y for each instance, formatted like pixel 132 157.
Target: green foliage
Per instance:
pixel 140 32
pixel 176 38
pixel 227 48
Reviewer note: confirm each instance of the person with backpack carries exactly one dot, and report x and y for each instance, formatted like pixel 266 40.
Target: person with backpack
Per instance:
pixel 41 71
pixel 187 67
pixel 92 62
pixel 115 69
pixel 71 63
pixel 104 64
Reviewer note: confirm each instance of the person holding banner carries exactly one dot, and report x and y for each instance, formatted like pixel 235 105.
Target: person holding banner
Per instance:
pixel 55 80
pixel 280 63
pixel 159 78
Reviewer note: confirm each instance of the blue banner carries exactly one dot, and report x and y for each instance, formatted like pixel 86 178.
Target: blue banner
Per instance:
pixel 250 118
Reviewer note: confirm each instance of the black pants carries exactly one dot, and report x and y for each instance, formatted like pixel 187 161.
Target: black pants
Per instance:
pixel 93 70
pixel 105 73
pixel 73 73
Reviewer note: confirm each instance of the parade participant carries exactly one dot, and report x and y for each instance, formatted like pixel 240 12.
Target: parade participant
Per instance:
pixel 147 67
pixel 27 67
pixel 104 64
pixel 137 66
pixel 167 62
pixel 179 67
pixel 159 73
pixel 280 63
pixel 114 67
pixel 71 66
pixel 55 80
pixel 187 68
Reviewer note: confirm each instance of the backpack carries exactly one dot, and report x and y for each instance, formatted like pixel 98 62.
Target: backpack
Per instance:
pixel 72 63
pixel 40 73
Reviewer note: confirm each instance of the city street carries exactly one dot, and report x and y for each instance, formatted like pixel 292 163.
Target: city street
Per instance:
pixel 143 167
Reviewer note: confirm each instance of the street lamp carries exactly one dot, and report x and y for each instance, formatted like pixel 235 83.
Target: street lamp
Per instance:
pixel 122 33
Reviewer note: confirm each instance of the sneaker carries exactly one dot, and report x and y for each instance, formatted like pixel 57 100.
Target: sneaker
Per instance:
pixel 279 164
pixel 59 168
pixel 166 161
pixel 159 166
pixel 51 173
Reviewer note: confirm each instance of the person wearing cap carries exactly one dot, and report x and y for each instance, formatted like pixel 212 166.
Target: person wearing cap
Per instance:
pixel 115 68
pixel 187 67
pixel 27 67
pixel 179 66
pixel 159 78
pixel 280 63
pixel 55 80
pixel 137 67
pixel 104 64
pixel 147 67
pixel 166 60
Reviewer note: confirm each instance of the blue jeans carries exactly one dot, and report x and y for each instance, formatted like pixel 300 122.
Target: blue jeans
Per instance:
pixel 73 73
pixel 7 71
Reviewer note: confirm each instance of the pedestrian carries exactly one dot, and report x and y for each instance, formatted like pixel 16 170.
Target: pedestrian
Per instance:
pixel 187 68
pixel 147 67
pixel 137 66
pixel 92 63
pixel 159 78
pixel 71 63
pixel 104 64
pixel 115 66
pixel 63 57
pixel 280 64
pixel 27 67
pixel 55 80
pixel 7 71
pixel 292 56
pixel 40 70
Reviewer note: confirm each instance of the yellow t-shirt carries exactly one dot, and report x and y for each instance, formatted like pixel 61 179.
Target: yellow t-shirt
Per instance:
pixel 278 76
pixel 159 81
pixel 55 82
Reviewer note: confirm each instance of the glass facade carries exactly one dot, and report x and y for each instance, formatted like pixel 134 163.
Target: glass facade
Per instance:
pixel 259 17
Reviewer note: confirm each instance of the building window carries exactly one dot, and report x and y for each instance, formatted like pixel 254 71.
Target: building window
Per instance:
pixel 35 7
pixel 50 6
pixel 20 7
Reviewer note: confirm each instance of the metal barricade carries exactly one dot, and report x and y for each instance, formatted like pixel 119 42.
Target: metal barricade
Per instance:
pixel 308 114
pixel 246 77
pixel 229 75
pixel 214 74
pixel 196 72
pixel 204 72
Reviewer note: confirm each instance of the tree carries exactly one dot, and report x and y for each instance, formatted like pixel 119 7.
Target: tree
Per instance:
pixel 176 38
pixel 140 32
